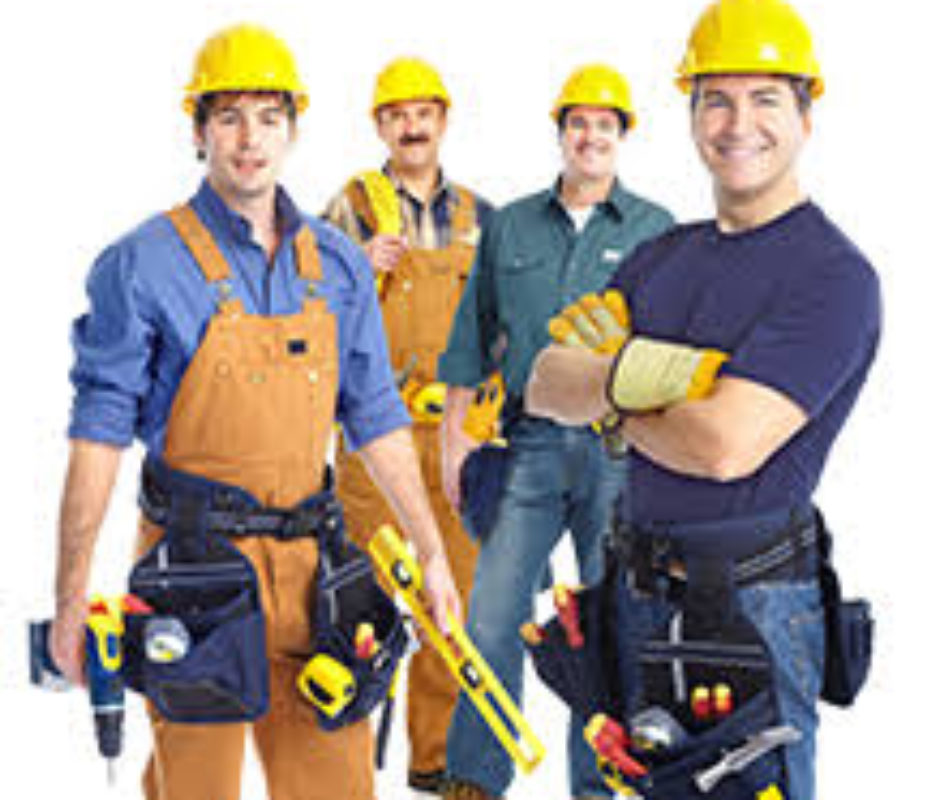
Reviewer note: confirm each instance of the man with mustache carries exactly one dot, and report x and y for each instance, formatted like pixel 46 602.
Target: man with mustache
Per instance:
pixel 420 232
pixel 537 255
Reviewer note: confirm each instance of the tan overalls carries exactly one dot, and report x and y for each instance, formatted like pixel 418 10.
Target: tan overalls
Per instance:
pixel 419 300
pixel 255 409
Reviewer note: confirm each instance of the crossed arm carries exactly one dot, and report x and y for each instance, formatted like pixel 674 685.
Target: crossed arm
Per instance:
pixel 726 436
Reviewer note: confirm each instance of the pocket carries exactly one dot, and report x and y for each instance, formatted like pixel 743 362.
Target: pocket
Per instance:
pixel 696 768
pixel 223 677
pixel 849 640
pixel 348 597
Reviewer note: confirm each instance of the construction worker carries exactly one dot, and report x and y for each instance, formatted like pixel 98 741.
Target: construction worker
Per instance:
pixel 537 255
pixel 774 286
pixel 221 335
pixel 420 232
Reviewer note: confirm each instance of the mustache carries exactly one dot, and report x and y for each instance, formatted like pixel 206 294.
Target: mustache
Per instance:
pixel 407 140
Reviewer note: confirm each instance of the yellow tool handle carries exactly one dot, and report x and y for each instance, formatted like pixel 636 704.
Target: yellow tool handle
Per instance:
pixel 460 655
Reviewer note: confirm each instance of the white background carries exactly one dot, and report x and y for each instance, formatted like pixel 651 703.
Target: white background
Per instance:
pixel 93 141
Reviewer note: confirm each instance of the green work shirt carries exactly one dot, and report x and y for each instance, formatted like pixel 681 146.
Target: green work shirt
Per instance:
pixel 530 264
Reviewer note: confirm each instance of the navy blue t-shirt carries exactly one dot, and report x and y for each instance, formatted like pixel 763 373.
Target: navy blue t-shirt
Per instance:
pixel 796 306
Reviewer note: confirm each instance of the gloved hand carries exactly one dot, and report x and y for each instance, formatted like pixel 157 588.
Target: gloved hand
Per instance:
pixel 649 374
pixel 598 322
pixel 601 323
pixel 388 243
pixel 481 421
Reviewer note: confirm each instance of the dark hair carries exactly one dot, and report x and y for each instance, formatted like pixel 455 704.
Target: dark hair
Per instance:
pixel 622 118
pixel 800 85
pixel 205 102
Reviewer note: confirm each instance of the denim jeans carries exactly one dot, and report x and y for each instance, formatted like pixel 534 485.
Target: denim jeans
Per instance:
pixel 790 618
pixel 559 479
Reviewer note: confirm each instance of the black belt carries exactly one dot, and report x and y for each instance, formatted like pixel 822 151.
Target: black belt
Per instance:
pixel 658 559
pixel 170 497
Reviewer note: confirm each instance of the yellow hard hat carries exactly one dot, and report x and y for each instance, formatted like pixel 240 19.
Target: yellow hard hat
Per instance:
pixel 408 79
pixel 750 37
pixel 596 85
pixel 244 58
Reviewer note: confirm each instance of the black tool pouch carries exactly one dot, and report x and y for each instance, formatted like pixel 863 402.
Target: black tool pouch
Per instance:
pixel 347 596
pixel 210 590
pixel 644 656
pixel 849 632
pixel 483 479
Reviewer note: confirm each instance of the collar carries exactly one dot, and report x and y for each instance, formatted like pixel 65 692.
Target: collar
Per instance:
pixel 615 203
pixel 444 191
pixel 226 221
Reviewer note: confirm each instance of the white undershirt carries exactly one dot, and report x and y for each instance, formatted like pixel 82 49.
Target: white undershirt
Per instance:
pixel 579 216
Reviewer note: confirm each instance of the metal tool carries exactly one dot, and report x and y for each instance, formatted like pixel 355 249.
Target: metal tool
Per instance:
pixel 756 746
pixel 654 729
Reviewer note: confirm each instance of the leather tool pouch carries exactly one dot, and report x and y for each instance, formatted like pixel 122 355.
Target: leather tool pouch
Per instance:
pixel 849 632
pixel 348 596
pixel 647 655
pixel 202 581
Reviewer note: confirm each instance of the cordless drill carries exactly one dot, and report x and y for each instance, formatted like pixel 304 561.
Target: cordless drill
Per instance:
pixel 104 630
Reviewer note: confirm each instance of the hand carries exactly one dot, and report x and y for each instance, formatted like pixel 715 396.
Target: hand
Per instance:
pixel 384 251
pixel 67 642
pixel 481 421
pixel 456 447
pixel 440 591
pixel 598 322
pixel 650 374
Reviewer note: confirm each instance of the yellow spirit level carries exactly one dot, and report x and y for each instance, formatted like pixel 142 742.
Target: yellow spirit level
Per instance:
pixel 484 689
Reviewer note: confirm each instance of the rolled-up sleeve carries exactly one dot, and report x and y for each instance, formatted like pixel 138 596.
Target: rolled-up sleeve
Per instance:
pixel 112 344
pixel 369 405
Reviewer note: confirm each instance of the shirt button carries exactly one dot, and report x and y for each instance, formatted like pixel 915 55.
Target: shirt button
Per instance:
pixel 313 376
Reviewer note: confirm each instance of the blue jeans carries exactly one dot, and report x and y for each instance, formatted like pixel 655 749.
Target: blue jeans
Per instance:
pixel 559 479
pixel 790 618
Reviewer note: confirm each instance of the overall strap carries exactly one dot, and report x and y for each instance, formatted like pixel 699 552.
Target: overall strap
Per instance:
pixel 307 255
pixel 200 242
pixel 464 211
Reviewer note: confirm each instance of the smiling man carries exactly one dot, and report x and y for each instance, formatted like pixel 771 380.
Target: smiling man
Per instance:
pixel 537 255
pixel 721 485
pixel 420 231
pixel 223 334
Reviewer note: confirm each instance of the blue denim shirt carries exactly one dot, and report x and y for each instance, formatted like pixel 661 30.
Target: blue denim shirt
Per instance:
pixel 150 305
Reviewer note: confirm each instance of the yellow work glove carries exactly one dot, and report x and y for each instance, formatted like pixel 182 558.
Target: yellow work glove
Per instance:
pixel 383 200
pixel 481 422
pixel 601 323
pixel 598 322
pixel 649 374
pixel 386 209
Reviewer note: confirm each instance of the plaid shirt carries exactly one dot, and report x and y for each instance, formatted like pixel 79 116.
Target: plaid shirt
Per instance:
pixel 427 226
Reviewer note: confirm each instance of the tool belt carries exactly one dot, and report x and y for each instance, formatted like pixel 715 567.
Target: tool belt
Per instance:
pixel 204 590
pixel 671 657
